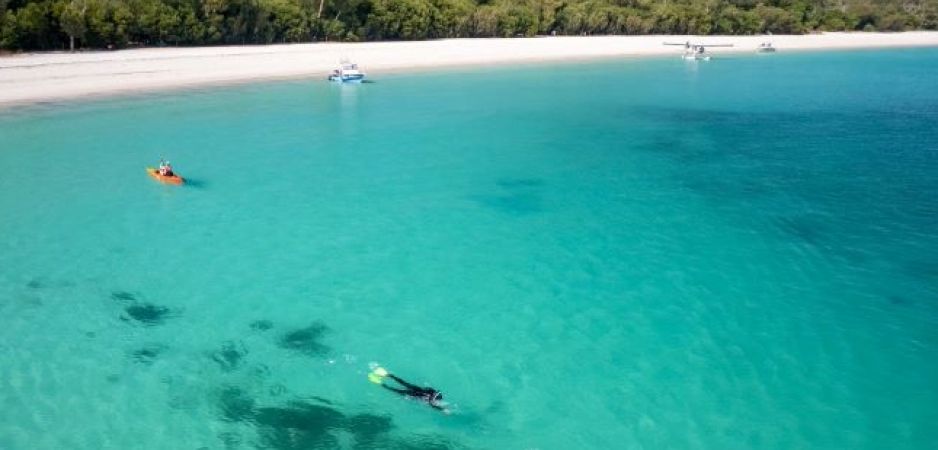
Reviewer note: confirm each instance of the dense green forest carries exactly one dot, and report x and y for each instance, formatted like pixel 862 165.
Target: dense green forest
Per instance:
pixel 61 24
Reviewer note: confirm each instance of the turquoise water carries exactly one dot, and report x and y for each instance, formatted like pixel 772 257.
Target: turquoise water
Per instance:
pixel 624 254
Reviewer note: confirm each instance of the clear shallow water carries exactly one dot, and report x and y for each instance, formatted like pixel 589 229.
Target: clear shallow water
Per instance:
pixel 640 253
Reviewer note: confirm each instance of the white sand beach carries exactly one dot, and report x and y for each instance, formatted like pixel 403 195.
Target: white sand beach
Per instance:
pixel 41 77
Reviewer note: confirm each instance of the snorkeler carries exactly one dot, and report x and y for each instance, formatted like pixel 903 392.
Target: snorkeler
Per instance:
pixel 433 397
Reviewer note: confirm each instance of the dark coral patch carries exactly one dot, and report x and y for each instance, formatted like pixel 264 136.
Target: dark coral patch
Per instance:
pixel 235 405
pixel 306 340
pixel 298 426
pixel 261 325
pixel 147 313
pixel 301 416
pixel 277 390
pixel 230 355
pixel 306 425
pixel 259 371
pixel 148 354
pixel 123 296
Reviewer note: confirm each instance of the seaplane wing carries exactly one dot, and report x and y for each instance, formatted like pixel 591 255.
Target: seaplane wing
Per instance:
pixel 689 44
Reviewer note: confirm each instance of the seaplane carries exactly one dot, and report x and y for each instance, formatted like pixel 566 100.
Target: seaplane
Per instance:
pixel 766 47
pixel 696 52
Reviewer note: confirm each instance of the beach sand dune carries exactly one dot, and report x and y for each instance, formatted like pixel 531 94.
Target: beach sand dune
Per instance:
pixel 31 78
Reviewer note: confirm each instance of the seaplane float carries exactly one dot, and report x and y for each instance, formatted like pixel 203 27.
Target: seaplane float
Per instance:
pixel 696 52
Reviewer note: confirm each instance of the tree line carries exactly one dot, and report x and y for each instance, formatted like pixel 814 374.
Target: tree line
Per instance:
pixel 71 24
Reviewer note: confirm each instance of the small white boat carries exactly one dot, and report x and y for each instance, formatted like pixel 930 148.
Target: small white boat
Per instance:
pixel 347 73
pixel 766 47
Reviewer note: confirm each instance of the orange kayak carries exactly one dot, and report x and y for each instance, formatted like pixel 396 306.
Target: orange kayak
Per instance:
pixel 174 179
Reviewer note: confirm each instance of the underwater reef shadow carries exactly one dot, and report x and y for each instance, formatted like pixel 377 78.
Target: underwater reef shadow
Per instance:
pixel 230 355
pixel 148 314
pixel 144 313
pixel 148 354
pixel 124 296
pixel 301 424
pixel 306 340
pixel 37 283
pixel 261 325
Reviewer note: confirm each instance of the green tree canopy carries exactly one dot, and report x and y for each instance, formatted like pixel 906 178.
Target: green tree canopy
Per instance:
pixel 61 24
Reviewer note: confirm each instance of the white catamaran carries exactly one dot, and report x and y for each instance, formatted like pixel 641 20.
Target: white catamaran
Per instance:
pixel 347 73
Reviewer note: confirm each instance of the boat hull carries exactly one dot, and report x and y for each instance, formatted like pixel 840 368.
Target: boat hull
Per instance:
pixel 347 78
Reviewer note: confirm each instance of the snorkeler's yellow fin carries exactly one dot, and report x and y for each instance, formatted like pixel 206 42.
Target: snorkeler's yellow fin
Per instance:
pixel 379 371
pixel 375 378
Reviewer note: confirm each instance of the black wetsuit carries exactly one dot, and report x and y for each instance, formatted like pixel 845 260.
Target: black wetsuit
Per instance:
pixel 429 395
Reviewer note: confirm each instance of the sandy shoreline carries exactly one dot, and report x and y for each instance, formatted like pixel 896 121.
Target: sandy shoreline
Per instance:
pixel 32 78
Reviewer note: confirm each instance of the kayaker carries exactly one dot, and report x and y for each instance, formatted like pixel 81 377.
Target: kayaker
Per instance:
pixel 166 169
